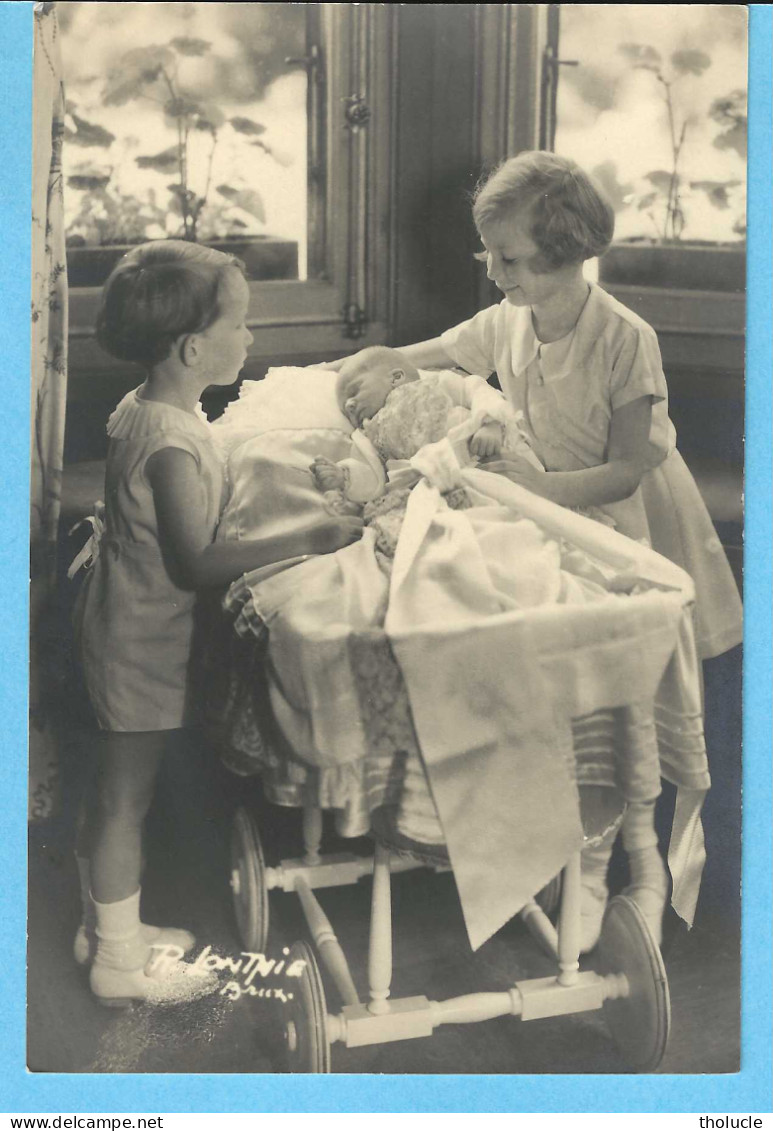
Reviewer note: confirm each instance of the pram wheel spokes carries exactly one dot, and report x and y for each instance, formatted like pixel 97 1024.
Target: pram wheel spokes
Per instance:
pixel 248 882
pixel 639 1020
pixel 306 1030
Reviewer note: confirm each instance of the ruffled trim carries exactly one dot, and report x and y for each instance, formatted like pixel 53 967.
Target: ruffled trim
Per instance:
pixel 135 418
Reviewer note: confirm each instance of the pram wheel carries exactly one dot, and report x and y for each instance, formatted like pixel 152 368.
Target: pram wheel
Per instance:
pixel 306 1038
pixel 248 883
pixel 639 1022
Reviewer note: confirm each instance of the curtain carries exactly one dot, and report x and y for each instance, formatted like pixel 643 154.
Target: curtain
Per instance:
pixel 49 387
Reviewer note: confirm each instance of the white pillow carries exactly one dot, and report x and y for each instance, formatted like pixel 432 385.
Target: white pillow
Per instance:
pixel 288 398
pixel 270 435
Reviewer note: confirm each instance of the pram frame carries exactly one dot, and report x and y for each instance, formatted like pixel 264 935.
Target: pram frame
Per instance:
pixel 630 981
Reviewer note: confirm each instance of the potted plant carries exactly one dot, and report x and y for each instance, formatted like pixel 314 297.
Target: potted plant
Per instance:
pixel 665 258
pixel 228 216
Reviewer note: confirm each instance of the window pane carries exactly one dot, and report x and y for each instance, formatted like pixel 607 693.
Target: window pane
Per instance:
pixel 660 89
pixel 186 120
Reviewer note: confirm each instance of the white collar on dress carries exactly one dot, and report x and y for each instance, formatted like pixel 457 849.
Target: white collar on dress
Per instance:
pixel 570 350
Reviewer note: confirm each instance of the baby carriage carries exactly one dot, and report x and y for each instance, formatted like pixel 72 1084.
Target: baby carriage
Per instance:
pixel 345 717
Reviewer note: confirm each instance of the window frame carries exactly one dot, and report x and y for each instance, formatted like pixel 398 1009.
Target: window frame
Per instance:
pixel 347 304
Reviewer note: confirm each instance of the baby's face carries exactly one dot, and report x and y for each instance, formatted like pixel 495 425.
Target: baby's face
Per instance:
pixel 362 390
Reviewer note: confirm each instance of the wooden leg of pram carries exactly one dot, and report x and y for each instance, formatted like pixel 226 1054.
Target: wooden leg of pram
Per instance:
pixel 540 928
pixel 380 949
pixel 312 833
pixel 569 924
pixel 326 942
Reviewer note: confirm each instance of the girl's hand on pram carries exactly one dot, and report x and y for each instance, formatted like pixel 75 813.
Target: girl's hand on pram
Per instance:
pixel 335 532
pixel 520 471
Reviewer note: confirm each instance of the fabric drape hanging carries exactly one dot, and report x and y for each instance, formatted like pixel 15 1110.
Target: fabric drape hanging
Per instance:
pixel 49 387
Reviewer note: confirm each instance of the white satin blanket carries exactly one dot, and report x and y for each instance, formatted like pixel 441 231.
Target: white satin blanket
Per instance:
pixel 508 620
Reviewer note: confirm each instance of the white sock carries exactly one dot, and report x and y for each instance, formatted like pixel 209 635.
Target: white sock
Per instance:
pixel 120 942
pixel 640 841
pixel 85 943
pixel 594 865
pixel 649 878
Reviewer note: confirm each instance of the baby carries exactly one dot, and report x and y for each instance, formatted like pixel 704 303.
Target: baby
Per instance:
pixel 396 411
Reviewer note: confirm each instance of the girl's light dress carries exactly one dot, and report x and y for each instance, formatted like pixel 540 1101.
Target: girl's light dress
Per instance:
pixel 567 391
pixel 134 625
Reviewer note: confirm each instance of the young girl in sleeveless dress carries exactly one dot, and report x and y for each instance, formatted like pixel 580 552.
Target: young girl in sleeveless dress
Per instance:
pixel 587 375
pixel 179 310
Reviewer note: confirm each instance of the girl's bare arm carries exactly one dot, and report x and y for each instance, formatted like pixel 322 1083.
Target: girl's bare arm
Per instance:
pixel 193 560
pixel 629 457
pixel 424 355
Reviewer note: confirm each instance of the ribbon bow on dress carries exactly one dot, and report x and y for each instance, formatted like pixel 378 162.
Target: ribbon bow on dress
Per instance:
pixel 89 552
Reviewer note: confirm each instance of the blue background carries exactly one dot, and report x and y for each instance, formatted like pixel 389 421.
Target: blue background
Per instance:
pixel 747 1091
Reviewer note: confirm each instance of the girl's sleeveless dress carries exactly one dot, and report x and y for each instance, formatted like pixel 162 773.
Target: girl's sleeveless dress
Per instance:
pixel 134 626
pixel 567 391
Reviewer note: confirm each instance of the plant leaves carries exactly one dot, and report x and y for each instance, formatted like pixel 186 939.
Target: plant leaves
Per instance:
pixel 646 201
pixel 208 119
pixel 181 107
pixel 642 55
pixel 246 199
pixel 690 62
pixel 135 70
pixel 189 45
pixel 735 138
pixel 181 192
pixel 89 177
pixel 164 162
pixel 247 126
pixel 616 191
pixel 88 134
pixel 660 180
pixel 204 125
pixel 716 191
pixel 82 181
pixel 730 109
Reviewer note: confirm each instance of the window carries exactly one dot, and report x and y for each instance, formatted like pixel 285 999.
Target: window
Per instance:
pixel 187 120
pixel 266 126
pixel 655 106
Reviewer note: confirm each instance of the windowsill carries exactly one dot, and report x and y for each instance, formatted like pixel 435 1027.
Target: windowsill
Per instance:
pixel 266 257
pixel 702 330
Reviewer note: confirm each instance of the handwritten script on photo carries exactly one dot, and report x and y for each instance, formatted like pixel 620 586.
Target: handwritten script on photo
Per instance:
pixel 247 968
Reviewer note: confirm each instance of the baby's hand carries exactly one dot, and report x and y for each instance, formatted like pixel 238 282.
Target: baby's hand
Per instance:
pixel 334 533
pixel 328 476
pixel 487 441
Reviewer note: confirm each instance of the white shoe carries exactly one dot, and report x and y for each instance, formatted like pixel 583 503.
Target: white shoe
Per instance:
pixel 651 901
pixel 157 982
pixel 84 947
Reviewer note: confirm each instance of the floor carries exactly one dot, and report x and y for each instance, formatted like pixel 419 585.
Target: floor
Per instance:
pixel 187 884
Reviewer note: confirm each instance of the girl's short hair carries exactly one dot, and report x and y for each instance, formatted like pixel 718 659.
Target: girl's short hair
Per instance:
pixel 158 292
pixel 571 218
